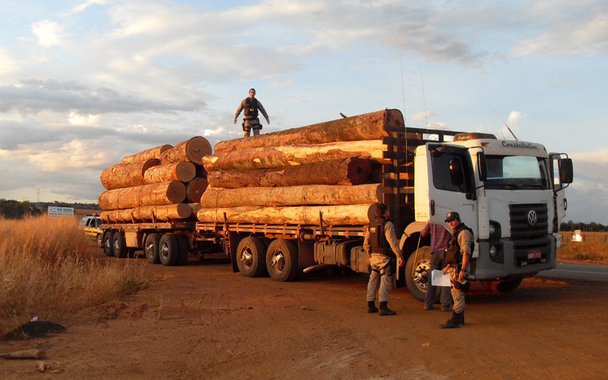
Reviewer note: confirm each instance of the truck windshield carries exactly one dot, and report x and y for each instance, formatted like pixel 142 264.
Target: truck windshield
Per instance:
pixel 516 172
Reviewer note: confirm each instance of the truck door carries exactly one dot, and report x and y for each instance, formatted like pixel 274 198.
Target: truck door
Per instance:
pixel 451 184
pixel 561 175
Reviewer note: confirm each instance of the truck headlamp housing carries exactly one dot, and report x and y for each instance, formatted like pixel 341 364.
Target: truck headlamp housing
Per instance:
pixel 495 231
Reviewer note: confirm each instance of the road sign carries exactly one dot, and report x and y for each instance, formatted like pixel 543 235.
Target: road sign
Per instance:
pixel 61 211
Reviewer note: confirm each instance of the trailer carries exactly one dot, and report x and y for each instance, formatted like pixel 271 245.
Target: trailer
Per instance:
pixel 511 193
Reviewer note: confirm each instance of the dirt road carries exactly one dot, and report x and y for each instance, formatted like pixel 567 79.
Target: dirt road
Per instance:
pixel 203 321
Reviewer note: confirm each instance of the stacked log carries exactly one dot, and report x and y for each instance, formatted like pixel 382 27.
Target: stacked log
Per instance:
pixel 310 175
pixel 155 184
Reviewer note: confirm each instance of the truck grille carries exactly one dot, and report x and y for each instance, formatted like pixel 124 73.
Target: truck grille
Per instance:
pixel 528 221
pixel 529 226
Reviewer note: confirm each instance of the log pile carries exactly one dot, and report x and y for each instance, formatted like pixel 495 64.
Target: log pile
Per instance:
pixel 156 184
pixel 321 173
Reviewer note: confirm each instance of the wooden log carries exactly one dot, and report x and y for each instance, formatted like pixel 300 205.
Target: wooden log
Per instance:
pixel 293 155
pixel 195 189
pixel 126 175
pixel 146 154
pixel 190 150
pixel 117 216
pixel 303 215
pixel 183 171
pixel 163 213
pixel 368 126
pixel 347 171
pixel 146 195
pixel 195 207
pixel 290 196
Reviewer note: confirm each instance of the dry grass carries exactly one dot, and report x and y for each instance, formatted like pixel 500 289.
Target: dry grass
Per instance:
pixel 47 270
pixel 594 247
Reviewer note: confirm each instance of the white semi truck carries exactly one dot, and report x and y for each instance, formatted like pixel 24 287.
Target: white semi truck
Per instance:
pixel 511 193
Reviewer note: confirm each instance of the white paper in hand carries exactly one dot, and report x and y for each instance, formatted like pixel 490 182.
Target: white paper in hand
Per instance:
pixel 438 278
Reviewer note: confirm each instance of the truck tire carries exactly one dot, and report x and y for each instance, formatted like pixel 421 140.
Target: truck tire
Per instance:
pixel 418 272
pixel 184 249
pixel 119 247
pixel 107 242
pixel 151 248
pixel 250 257
pixel 168 249
pixel 282 260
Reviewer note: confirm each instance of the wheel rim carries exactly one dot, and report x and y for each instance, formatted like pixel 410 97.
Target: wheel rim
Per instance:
pixel 149 249
pixel 116 245
pixel 422 272
pixel 277 261
pixel 246 258
pixel 163 251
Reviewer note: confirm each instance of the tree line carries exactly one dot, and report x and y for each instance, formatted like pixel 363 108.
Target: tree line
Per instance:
pixel 589 227
pixel 11 209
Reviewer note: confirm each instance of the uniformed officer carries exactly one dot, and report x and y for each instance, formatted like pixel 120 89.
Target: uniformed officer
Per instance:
pixel 380 240
pixel 457 258
pixel 250 106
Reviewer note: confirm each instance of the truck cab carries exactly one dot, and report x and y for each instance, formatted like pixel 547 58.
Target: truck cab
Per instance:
pixel 510 193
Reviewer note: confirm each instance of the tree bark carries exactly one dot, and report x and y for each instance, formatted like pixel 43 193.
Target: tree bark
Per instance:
pixel 146 195
pixel 290 196
pixel 195 189
pixel 146 154
pixel 163 213
pixel 126 175
pixel 190 150
pixel 368 126
pixel 347 171
pixel 293 155
pixel 183 171
pixel 304 215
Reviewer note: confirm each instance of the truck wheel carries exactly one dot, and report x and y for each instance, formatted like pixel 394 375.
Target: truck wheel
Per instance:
pixel 168 249
pixel 119 248
pixel 282 260
pixel 509 285
pixel 151 248
pixel 107 242
pixel 250 257
pixel 184 249
pixel 418 272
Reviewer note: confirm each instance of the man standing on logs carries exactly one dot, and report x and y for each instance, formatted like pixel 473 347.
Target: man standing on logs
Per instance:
pixel 250 105
pixel 380 240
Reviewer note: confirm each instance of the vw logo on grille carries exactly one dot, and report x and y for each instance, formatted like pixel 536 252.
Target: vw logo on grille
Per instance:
pixel 532 218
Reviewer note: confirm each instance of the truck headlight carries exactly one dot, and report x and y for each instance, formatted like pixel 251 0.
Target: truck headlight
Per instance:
pixel 494 229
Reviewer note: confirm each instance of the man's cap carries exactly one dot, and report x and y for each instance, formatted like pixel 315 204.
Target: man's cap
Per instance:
pixel 452 215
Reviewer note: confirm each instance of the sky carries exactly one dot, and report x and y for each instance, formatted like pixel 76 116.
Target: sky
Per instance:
pixel 84 83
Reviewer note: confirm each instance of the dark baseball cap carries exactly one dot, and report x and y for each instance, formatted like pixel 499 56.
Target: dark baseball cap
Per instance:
pixel 452 215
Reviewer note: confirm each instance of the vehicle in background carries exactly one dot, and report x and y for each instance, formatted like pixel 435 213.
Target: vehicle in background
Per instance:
pixel 91 225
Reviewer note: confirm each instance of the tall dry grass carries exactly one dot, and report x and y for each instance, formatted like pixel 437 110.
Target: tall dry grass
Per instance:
pixel 47 269
pixel 594 247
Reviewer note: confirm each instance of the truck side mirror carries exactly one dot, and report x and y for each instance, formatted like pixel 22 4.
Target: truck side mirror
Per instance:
pixel 456 173
pixel 482 166
pixel 566 172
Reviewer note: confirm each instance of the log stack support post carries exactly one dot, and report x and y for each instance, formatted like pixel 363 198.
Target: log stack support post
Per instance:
pixel 398 176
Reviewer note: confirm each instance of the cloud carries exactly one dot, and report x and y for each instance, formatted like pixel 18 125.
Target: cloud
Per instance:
pixel 8 65
pixel 89 3
pixel 588 194
pixel 567 29
pixel 48 33
pixel 32 96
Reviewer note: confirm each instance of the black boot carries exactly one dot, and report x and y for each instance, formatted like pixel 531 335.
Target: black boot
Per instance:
pixel 384 310
pixel 453 322
pixel 371 307
pixel 461 318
